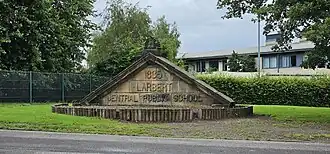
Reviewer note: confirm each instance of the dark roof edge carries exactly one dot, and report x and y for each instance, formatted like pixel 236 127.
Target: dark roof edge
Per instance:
pixel 252 53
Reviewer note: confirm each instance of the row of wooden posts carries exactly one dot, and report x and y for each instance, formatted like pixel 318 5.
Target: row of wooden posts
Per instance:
pixel 155 114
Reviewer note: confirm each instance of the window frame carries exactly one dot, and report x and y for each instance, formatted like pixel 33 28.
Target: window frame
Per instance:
pixel 215 62
pixel 279 60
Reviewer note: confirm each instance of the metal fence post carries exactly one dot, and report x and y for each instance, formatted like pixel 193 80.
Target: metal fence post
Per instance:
pixel 90 83
pixel 62 87
pixel 30 87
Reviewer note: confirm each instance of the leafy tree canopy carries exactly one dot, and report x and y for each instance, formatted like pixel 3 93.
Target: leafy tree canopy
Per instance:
pixel 291 18
pixel 127 27
pixel 44 35
pixel 234 62
pixel 241 63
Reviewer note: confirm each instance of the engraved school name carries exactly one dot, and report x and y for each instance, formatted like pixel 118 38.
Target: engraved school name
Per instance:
pixel 154 89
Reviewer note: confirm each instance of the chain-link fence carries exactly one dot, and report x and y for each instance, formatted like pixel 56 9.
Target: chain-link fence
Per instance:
pixel 19 86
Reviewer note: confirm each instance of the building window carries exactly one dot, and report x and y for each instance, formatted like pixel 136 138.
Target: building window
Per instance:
pixel 293 61
pixel 201 66
pixel 272 62
pixel 285 61
pixel 214 65
pixel 198 66
pixel 269 62
pixel 265 62
pixel 224 66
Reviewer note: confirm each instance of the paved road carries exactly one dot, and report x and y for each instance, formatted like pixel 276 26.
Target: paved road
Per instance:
pixel 17 142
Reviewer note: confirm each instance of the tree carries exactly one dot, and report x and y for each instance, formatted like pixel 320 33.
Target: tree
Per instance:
pixel 168 36
pixel 313 60
pixel 44 35
pixel 291 18
pixel 127 27
pixel 114 48
pixel 248 64
pixel 234 62
pixel 238 63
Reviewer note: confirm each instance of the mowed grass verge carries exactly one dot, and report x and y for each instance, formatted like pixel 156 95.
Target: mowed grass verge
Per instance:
pixel 38 117
pixel 294 113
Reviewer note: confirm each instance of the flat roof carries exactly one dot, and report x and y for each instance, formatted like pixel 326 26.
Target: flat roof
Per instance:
pixel 299 46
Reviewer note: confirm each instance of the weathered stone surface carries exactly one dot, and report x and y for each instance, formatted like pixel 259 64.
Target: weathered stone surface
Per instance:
pixel 153 80
pixel 154 86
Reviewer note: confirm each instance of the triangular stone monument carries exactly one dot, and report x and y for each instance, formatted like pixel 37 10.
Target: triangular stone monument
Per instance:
pixel 154 80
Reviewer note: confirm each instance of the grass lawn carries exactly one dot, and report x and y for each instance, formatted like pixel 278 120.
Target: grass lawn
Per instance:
pixel 286 123
pixel 295 113
pixel 39 117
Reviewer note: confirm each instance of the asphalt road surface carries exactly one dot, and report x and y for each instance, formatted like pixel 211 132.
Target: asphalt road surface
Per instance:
pixel 24 142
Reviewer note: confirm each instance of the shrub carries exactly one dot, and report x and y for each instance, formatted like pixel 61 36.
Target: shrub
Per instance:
pixel 296 91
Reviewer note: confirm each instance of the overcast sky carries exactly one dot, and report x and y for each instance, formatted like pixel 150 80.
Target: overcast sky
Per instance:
pixel 200 24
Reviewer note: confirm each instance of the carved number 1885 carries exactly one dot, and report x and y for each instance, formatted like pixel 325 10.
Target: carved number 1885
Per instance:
pixel 154 74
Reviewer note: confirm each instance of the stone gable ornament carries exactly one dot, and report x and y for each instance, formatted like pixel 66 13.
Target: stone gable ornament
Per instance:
pixel 153 45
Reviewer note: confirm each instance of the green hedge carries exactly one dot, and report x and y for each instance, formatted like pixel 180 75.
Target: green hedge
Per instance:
pixel 297 91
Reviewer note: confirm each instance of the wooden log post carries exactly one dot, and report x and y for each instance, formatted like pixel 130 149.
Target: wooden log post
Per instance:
pixel 156 114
